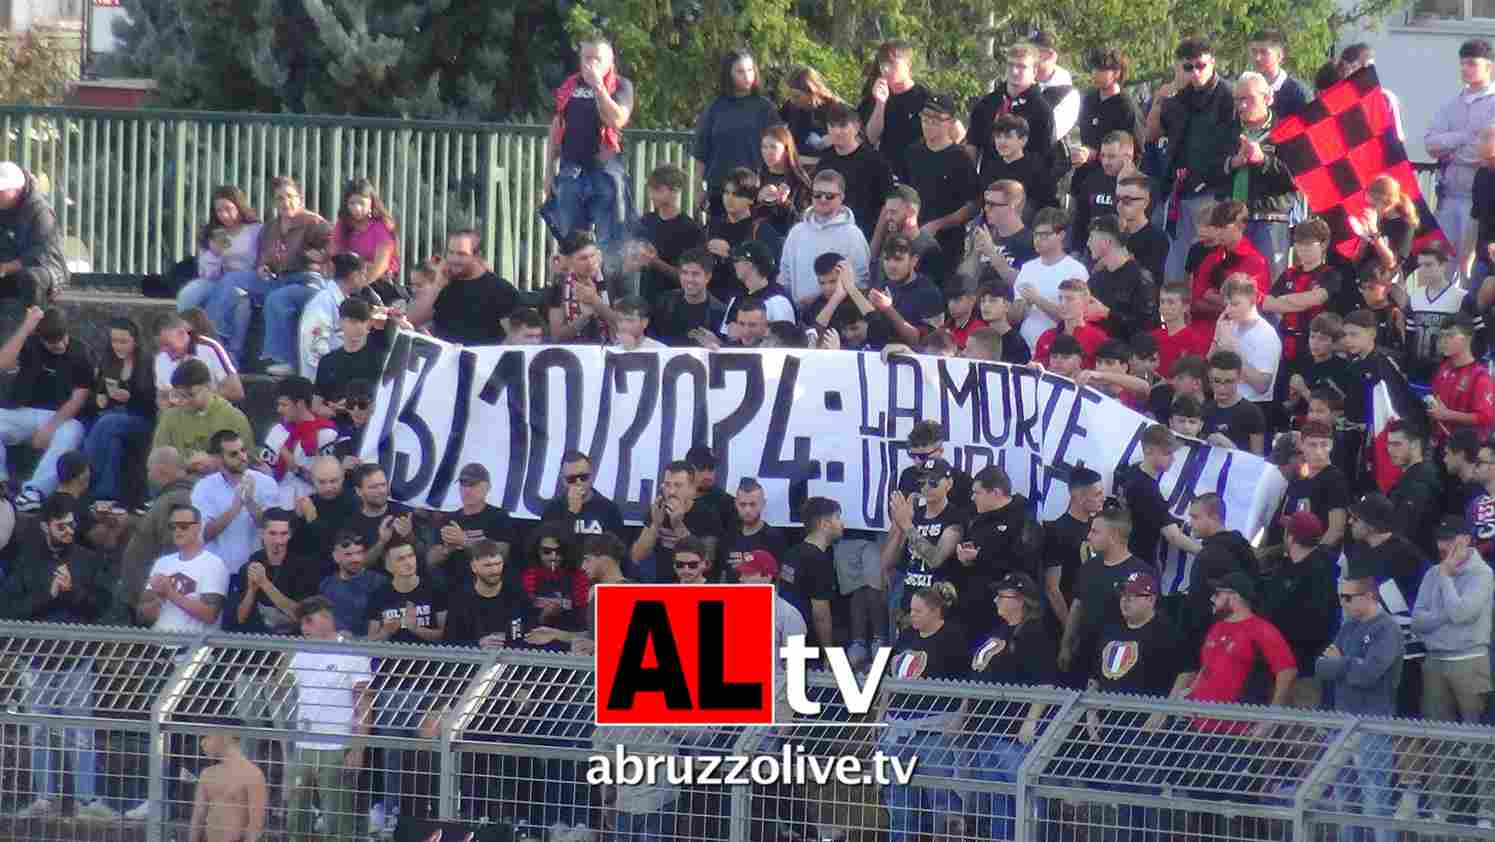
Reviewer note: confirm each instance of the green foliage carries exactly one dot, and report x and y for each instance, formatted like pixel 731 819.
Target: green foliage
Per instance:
pixel 35 68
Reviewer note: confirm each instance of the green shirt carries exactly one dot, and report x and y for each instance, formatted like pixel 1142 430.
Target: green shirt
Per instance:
pixel 189 431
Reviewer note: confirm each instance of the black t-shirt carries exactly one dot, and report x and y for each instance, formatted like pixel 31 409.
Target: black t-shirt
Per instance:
pixel 807 573
pixel 1015 350
pixel 1132 295
pixel 724 284
pixel 490 522
pixel 1099 116
pixel 1098 588
pixel 1335 370
pixel 1095 196
pixel 1150 248
pixel 940 655
pixel 1483 210
pixel 1007 540
pixel 47 380
pixel 583 137
pixel 1066 545
pixel 738 545
pixel 916 299
pixel 946 181
pixel 914 571
pixel 671 238
pixel 1160 402
pixel 1140 661
pixel 1025 656
pixel 1149 510
pixel 901 129
pixel 315 539
pixel 1040 190
pixel 296 578
pixel 869 179
pixel 387 603
pixel 1237 422
pixel 470 312
pixel 674 318
pixel 1018 247
pixel 1029 105
pixel 368 527
pixel 340 366
pixel 471 617
pixel 598 515
pixel 1396 558
pixel 1321 493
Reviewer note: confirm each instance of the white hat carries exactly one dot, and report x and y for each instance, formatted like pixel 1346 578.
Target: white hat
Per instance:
pixel 12 177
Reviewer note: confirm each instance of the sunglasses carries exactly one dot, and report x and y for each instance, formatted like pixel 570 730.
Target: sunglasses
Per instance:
pixel 360 403
pixel 687 565
pixel 1191 66
pixel 183 524
pixel 343 545
pixel 824 196
pixel 933 482
pixel 575 478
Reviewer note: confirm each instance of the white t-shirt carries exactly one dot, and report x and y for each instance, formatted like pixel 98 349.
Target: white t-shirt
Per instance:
pixel 787 622
pixel 326 690
pixel 646 344
pixel 204 573
pixel 212 495
pixel 219 363
pixel 1046 280
pixel 1261 349
pixel 1427 316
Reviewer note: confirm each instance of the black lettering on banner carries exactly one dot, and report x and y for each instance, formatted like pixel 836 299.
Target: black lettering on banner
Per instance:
pixel 507 378
pixel 969 392
pixel 395 366
pixel 751 366
pixel 987 403
pixel 876 494
pixel 539 415
pixel 882 417
pixel 968 457
pixel 441 483
pixel 1023 434
pixel 800 468
pixel 914 413
pixel 682 365
pixel 1058 386
pixel 648 396
pixel 403 482
pixel 602 431
pixel 1131 446
pixel 1182 493
pixel 1060 467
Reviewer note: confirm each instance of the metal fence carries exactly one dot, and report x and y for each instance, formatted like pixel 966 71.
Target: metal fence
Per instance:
pixel 124 734
pixel 134 185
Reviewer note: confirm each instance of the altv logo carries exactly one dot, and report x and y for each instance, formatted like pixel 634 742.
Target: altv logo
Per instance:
pixel 704 655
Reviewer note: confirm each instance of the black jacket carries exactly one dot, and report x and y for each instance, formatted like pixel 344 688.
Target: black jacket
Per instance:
pixel 1271 191
pixel 1215 106
pixel 29 233
pixel 1301 599
pixel 1418 498
pixel 27 591
pixel 1220 554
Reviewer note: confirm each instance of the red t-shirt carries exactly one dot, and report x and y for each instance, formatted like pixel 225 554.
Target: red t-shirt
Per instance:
pixel 1089 336
pixel 962 333
pixel 1220 264
pixel 1465 389
pixel 1226 661
pixel 1195 338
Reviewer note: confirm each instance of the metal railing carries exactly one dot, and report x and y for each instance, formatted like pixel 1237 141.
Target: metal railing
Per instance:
pixel 134 185
pixel 136 720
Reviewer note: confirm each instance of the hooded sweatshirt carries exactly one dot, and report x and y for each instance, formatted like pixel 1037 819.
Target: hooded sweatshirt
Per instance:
pixel 1456 126
pixel 1452 614
pixel 813 237
pixel 1369 670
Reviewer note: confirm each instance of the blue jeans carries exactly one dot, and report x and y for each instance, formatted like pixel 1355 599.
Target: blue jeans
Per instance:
pixel 399 715
pixel 591 196
pixel 1270 238
pixel 232 306
pixel 283 315
pixel 63 691
pixel 915 810
pixel 196 293
pixel 647 827
pixel 105 448
pixel 1366 781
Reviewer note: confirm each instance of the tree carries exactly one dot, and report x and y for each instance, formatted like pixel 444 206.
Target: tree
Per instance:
pixel 35 68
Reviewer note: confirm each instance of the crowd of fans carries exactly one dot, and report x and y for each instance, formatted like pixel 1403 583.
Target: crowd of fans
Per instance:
pixel 1161 257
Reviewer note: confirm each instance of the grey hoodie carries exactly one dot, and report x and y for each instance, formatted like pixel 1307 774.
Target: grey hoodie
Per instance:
pixel 813 237
pixel 1452 615
pixel 1456 126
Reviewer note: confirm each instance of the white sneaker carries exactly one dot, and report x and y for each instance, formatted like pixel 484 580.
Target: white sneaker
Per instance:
pixel 1485 823
pixel 139 813
pixel 1406 807
pixel 376 818
pixel 279 370
pixel 98 811
pixel 36 809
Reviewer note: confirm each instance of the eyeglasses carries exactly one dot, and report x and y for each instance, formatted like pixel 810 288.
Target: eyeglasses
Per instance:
pixel 1350 597
pixel 344 545
pixel 825 196
pixel 687 565
pixel 991 204
pixel 1223 381
pixel 575 478
pixel 183 524
pixel 1191 66
pixel 1130 200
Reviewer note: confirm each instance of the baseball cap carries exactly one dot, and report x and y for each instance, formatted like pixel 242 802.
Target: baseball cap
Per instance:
pixel 1240 582
pixel 12 177
pixel 1376 511
pixel 1140 584
pixel 1304 526
pixel 757 254
pixel 937 468
pixel 473 472
pixel 1284 449
pixel 700 456
pixel 1016 582
pixel 1476 48
pixel 1454 526
pixel 940 104
pixel 760 562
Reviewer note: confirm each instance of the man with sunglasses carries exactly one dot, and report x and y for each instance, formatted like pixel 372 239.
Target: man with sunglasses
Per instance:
pixel 829 226
pixel 233 500
pixel 579 504
pixel 1196 121
pixel 926 528
pixel 926 441
pixel 692 566
pixel 186 588
pixel 54 580
pixel 476 520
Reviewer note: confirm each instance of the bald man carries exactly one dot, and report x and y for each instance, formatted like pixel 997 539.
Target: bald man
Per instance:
pixel 320 515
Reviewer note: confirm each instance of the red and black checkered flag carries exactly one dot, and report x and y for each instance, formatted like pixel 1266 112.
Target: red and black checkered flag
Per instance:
pixel 1338 145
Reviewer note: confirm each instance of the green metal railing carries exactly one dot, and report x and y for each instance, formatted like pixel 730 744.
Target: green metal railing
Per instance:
pixel 133 186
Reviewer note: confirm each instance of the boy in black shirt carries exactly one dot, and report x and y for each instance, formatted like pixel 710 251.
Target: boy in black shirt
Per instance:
pixel 1066 545
pixel 868 176
pixel 923 536
pixel 665 234
pixel 690 307
pixel 807 572
pixel 51 387
pixel 1095 604
pixel 749 531
pixel 490 612
pixel 945 179
pixel 365 345
pixel 1138 488
pixel 1229 419
pixel 1009 141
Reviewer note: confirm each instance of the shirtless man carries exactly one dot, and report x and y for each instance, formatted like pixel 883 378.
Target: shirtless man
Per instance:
pixel 231 795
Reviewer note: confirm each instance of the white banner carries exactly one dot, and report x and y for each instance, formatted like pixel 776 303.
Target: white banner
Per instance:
pixel 803 423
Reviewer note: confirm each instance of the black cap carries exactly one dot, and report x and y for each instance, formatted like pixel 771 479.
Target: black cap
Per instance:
pixel 937 468
pixel 758 254
pixel 1240 582
pixel 1284 449
pixel 1476 48
pixel 1019 582
pixel 940 104
pixel 700 456
pixel 1376 511
pixel 1453 526
pixel 473 472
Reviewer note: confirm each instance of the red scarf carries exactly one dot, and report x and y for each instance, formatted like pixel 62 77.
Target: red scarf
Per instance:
pixel 612 139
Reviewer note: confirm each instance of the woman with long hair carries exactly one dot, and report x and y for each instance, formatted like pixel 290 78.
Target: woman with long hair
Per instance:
pixel 784 187
pixel 126 401
pixel 292 260
pixel 807 99
pixel 729 130
pixel 1388 224
pixel 366 228
pixel 227 244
